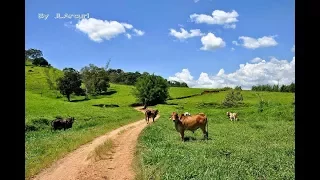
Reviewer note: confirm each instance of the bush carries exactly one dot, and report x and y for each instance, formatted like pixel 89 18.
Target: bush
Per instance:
pixel 232 99
pixel 37 124
pixel 261 104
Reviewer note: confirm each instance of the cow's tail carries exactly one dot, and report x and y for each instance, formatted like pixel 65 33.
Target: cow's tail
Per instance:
pixel 207 128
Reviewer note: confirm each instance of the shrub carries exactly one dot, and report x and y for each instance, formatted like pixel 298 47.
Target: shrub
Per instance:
pixel 232 99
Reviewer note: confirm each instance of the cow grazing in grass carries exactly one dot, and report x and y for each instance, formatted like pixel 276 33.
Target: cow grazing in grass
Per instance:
pixel 191 123
pixel 59 124
pixel 150 113
pixel 232 116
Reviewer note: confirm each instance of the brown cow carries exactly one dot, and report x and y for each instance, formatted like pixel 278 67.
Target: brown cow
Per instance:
pixel 190 123
pixel 151 113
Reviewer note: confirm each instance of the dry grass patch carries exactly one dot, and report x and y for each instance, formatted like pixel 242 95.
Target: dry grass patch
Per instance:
pixel 102 151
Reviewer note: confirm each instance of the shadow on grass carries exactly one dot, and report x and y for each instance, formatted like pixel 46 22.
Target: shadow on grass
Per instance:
pixel 109 92
pixel 79 100
pixel 190 139
pixel 106 105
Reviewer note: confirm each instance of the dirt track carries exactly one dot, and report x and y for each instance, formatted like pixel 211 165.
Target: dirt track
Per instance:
pixel 117 165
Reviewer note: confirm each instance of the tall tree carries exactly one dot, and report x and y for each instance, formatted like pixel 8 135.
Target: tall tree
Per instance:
pixel 33 53
pixel 70 83
pixel 151 89
pixel 96 79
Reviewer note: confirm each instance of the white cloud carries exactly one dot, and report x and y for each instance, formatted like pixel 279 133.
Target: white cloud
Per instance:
pixel 128 36
pixel 138 32
pixel 256 60
pixel 128 26
pixel 235 43
pixel 232 49
pixel 293 49
pixel 180 25
pixel 183 76
pixel 196 1
pixel 230 26
pixel 211 42
pixel 185 34
pixel 246 76
pixel 217 17
pixel 252 43
pixel 98 30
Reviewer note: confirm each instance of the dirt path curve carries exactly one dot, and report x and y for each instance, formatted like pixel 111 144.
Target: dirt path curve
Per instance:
pixel 117 165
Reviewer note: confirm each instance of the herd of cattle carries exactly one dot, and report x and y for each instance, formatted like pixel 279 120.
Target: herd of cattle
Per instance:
pixel 186 121
pixel 182 122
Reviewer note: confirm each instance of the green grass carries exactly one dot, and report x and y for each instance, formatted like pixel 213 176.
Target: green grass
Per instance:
pixel 260 145
pixel 43 146
pixel 176 92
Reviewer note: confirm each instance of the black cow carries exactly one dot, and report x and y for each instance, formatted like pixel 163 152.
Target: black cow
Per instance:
pixel 62 124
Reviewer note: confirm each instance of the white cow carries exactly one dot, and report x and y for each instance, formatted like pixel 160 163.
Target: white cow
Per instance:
pixel 232 116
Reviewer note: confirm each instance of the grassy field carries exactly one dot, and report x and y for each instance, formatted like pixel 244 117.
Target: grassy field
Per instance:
pixel 259 146
pixel 42 105
pixel 176 92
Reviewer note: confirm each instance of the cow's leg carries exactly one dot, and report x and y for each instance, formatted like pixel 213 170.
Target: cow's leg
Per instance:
pixel 182 135
pixel 205 133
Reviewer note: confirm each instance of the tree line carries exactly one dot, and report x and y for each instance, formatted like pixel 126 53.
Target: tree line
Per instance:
pixel 149 88
pixel 275 88
pixel 118 76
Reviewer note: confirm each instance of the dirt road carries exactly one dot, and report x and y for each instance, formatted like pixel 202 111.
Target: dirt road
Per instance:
pixel 116 163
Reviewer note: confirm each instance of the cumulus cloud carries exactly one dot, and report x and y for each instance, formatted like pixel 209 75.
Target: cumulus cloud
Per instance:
pixel 252 43
pixel 256 60
pixel 98 30
pixel 211 42
pixel 232 49
pixel 185 34
pixel 196 1
pixel 293 49
pixel 219 17
pixel 247 75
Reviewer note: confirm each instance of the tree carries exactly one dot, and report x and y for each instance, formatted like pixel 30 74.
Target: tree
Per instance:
pixel 151 89
pixel 51 79
pixel 96 79
pixel 291 87
pixel 70 83
pixel 33 53
pixel 238 88
pixel 40 62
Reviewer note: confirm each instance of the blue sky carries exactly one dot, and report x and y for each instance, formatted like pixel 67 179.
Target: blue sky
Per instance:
pixel 147 36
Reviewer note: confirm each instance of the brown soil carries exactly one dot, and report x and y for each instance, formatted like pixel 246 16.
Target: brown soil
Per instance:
pixel 117 164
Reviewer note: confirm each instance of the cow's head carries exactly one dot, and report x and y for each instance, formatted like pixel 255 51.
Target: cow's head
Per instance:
pixel 156 111
pixel 174 116
pixel 70 120
pixel 228 114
